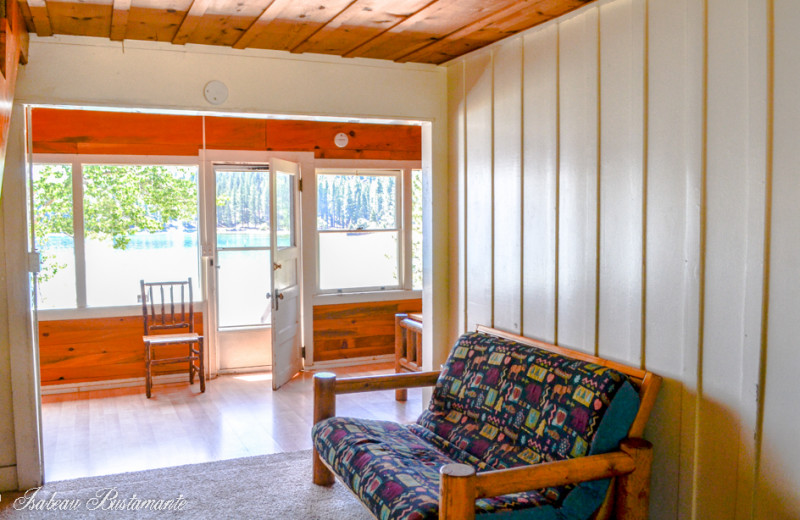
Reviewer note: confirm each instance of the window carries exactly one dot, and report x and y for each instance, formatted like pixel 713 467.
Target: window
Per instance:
pixel 103 227
pixel 361 243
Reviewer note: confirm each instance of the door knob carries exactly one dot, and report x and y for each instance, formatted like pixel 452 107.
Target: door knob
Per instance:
pixel 275 266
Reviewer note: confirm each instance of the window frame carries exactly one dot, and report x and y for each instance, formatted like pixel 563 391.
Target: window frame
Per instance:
pixel 403 205
pixel 77 161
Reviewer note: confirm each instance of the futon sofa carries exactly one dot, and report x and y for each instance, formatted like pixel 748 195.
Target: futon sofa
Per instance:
pixel 516 428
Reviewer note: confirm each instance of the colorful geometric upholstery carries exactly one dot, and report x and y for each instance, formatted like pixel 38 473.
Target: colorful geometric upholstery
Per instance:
pixel 497 404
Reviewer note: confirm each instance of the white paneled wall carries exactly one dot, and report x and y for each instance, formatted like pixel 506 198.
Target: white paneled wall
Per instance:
pixel 626 183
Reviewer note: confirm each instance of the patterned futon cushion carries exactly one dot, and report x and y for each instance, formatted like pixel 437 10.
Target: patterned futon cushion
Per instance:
pixel 394 469
pixel 497 404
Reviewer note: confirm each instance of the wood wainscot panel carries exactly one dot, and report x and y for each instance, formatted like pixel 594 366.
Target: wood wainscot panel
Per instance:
pixel 99 349
pixel 350 330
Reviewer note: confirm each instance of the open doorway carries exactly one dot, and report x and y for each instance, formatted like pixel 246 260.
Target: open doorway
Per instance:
pixel 238 307
pixel 255 273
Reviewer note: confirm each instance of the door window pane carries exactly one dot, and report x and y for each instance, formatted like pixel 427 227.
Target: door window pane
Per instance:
pixel 243 285
pixel 53 231
pixel 242 208
pixel 284 209
pixel 140 222
pixel 350 260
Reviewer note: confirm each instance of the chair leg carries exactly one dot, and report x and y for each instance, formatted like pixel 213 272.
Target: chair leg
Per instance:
pixel 191 363
pixel 148 378
pixel 202 366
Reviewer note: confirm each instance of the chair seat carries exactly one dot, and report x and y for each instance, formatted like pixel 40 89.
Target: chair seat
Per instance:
pixel 163 339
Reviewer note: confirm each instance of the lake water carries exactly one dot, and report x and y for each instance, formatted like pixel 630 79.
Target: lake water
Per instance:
pixel 112 275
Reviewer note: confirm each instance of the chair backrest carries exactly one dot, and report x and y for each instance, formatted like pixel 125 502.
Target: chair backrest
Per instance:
pixel 167 305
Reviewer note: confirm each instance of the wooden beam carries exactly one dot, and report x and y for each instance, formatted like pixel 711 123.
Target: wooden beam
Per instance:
pixel 496 26
pixel 40 16
pixel 270 13
pixel 190 21
pixel 119 19
pixel 362 21
pixel 429 24
pixel 468 36
pixel 26 15
pixel 288 24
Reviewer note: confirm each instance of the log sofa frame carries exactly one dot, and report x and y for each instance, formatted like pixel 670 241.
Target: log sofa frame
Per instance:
pixel 460 485
pixel 407 347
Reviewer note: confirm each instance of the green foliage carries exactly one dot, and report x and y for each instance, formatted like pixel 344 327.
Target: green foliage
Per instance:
pixel 416 228
pixel 243 199
pixel 118 202
pixel 52 193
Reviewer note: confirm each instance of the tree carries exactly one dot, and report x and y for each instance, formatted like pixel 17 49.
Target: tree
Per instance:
pixel 118 202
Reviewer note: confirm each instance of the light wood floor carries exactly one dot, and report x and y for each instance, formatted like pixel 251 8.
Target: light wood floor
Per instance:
pixel 115 431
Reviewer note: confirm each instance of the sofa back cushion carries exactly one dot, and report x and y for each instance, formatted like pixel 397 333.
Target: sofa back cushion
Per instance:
pixel 509 404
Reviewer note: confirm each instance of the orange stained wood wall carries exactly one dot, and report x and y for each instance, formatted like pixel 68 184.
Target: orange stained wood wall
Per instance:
pixel 98 349
pixel 349 330
pixel 13 51
pixel 125 133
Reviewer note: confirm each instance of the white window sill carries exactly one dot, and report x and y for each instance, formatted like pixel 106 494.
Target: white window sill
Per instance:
pixel 99 312
pixel 367 296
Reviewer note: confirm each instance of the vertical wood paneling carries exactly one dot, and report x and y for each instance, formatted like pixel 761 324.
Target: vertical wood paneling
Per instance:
pixel 578 181
pixel 755 255
pixel 540 177
pixel 726 259
pixel 673 225
pixel 621 179
pixel 671 137
pixel 779 472
pixel 508 186
pixel 478 91
pixel 458 210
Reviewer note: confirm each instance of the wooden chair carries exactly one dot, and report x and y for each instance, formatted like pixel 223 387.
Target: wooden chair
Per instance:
pixel 167 310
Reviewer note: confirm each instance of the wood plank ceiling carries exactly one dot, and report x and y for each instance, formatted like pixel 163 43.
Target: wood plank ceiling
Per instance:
pixel 423 31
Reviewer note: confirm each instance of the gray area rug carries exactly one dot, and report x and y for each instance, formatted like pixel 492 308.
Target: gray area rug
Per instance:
pixel 269 486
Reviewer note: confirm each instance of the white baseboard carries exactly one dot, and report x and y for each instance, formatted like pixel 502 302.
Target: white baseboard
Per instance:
pixel 366 360
pixel 111 384
pixel 8 478
pixel 245 370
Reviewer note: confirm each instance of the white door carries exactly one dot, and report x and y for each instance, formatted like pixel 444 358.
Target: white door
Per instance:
pixel 286 349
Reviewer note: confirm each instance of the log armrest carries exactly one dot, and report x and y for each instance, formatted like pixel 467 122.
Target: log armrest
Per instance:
pixel 385 382
pixel 460 485
pixel 326 386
